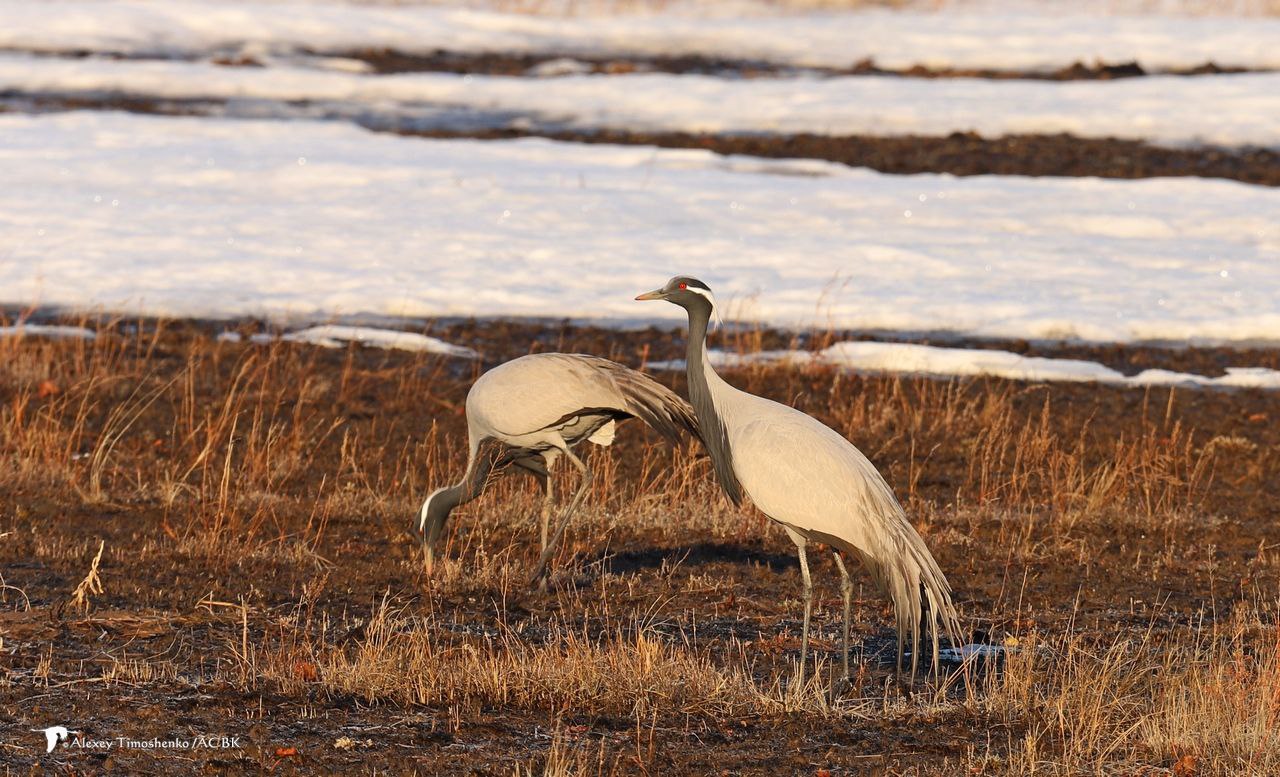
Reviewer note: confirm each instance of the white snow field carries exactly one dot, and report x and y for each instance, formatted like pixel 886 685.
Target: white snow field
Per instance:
pixel 913 359
pixel 209 217
pixel 1228 110
pixel 987 39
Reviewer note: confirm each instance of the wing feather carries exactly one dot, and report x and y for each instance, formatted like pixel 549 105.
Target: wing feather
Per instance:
pixel 645 398
pixel 539 391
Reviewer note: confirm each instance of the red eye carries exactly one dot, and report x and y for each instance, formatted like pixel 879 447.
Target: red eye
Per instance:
pixel 684 285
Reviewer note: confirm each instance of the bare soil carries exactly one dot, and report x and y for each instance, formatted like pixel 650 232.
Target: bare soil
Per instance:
pixel 389 61
pixel 502 63
pixel 960 153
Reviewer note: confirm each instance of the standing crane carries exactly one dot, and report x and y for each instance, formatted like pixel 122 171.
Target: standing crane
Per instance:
pixel 529 411
pixel 805 476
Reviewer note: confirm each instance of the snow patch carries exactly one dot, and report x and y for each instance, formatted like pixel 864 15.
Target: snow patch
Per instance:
pixel 560 66
pixel 335 336
pixel 332 335
pixel 1228 110
pixel 936 361
pixel 325 221
pixel 51 331
pixel 992 39
pixel 972 651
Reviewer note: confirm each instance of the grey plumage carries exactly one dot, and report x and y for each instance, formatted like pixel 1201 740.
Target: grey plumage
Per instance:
pixel 714 434
pixel 531 410
pixel 821 488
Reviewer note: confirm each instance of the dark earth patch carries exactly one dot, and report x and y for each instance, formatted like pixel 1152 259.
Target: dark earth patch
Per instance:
pixel 388 61
pixel 960 153
pixel 490 63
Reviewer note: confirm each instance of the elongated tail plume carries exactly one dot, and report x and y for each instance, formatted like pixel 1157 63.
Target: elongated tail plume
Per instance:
pixel 906 572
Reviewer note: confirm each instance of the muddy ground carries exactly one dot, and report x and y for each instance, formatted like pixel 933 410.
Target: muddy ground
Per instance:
pixel 160 650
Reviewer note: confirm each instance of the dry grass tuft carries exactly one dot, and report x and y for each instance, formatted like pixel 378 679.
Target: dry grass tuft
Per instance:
pixel 1090 705
pixel 90 585
pixel 410 660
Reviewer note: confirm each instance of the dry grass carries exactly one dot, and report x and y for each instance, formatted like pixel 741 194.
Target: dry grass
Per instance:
pixel 262 496
pixel 632 672
pixel 1078 704
pixel 1205 701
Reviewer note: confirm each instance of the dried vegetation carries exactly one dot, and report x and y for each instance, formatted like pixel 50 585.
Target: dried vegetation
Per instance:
pixel 185 517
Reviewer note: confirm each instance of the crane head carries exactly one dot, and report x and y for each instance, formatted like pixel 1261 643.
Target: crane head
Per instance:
pixel 684 291
pixel 435 511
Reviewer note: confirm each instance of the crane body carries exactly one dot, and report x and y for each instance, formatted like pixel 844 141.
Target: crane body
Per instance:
pixel 531 410
pixel 807 477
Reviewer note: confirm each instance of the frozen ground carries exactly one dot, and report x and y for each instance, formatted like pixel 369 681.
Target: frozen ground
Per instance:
pixel 220 217
pixel 988 40
pixel 1227 110
pixel 913 359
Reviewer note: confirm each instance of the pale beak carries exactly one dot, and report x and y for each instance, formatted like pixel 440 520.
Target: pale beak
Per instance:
pixel 655 294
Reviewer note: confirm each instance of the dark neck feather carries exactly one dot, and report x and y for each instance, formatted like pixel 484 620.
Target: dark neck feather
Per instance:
pixel 713 431
pixel 481 463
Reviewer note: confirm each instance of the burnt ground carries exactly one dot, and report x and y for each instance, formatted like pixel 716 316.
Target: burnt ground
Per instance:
pixel 161 650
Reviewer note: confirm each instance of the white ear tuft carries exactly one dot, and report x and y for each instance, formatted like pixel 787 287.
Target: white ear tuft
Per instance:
pixel 715 309
pixel 426 505
pixel 703 293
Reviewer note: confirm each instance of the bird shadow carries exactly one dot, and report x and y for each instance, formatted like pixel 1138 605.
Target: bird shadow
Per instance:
pixel 696 554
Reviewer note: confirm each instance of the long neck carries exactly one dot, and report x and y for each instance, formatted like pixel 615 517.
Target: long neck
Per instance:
pixel 479 465
pixel 703 386
pixel 696 351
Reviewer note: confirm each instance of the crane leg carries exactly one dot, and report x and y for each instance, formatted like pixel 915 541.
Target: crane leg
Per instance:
pixel 846 588
pixel 542 474
pixel 539 574
pixel 548 504
pixel 808 603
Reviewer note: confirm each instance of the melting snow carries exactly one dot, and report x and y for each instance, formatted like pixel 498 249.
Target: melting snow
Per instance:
pixel 983 40
pixel 47 330
pixel 937 361
pixel 970 651
pixel 332 334
pixel 200 217
pixel 1220 109
pixel 335 336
